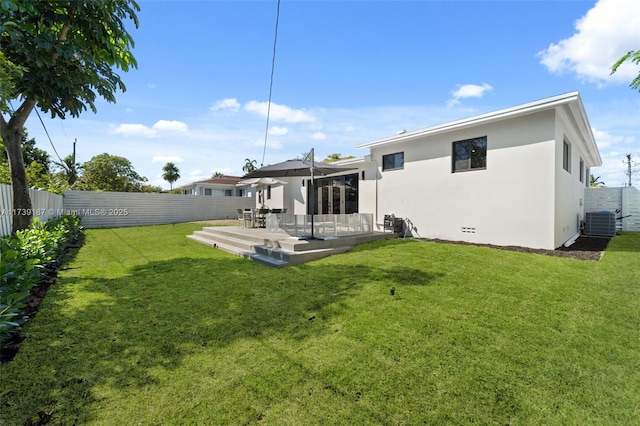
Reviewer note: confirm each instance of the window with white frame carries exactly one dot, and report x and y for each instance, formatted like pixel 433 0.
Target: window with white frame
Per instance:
pixel 207 191
pixel 393 161
pixel 469 154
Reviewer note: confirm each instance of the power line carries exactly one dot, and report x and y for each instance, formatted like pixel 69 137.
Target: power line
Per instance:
pixel 47 133
pixel 273 66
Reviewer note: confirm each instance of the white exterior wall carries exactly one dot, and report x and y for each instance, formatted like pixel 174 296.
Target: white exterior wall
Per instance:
pixel 569 191
pixel 509 203
pixel 368 201
pixel 277 197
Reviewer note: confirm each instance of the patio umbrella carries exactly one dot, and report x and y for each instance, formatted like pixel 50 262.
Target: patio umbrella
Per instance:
pixel 299 168
pixel 261 181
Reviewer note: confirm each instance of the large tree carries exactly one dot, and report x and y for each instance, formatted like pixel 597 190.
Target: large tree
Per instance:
pixel 106 172
pixel 66 52
pixel 170 173
pixel 332 158
pixel 634 57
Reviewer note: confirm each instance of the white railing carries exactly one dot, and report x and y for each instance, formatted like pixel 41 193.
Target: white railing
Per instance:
pixel 45 206
pixel 325 225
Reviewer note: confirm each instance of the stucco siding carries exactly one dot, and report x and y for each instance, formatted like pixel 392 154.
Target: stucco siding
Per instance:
pixel 508 203
pixel 569 189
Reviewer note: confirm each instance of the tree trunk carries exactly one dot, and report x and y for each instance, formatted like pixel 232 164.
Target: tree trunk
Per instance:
pixel 22 208
pixel 12 136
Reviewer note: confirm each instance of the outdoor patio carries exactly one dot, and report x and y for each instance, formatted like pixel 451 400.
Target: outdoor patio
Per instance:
pixel 277 248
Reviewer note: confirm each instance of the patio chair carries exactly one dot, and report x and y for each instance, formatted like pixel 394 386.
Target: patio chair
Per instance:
pixel 261 218
pixel 240 217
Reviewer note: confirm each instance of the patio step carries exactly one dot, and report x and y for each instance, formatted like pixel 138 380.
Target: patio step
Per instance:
pixel 238 245
pixel 276 249
pixel 297 257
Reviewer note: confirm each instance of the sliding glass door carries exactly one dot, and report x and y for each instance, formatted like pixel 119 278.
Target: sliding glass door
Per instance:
pixel 334 195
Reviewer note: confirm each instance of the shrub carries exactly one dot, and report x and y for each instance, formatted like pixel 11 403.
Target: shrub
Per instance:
pixel 23 258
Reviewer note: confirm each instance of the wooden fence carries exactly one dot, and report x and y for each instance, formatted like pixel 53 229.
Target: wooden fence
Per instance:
pixel 120 209
pixel 45 205
pixel 626 200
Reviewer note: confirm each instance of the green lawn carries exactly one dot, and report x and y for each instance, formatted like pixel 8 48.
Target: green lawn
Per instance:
pixel 148 327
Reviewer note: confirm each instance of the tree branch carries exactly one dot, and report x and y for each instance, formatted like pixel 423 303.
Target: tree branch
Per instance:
pixel 22 113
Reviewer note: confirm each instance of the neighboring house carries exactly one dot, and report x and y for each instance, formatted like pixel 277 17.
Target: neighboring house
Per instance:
pixel 516 176
pixel 225 186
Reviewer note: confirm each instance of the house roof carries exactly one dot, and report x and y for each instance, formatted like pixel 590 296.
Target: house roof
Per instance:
pixel 223 181
pixel 570 102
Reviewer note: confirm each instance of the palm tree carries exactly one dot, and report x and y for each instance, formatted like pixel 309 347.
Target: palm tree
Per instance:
pixel 595 182
pixel 171 173
pixel 249 165
pixel 70 170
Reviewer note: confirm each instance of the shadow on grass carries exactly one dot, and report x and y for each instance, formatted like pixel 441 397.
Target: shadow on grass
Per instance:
pixel 117 333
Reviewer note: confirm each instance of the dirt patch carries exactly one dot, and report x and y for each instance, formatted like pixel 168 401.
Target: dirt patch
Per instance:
pixel 584 248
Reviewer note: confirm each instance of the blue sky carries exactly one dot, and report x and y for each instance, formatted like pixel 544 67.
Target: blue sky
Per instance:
pixel 348 72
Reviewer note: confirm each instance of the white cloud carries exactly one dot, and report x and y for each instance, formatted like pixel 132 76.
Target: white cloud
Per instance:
pixel 134 130
pixel 468 91
pixel 606 140
pixel 131 129
pixel 608 31
pixel 166 159
pixel 278 131
pixel 229 104
pixel 279 112
pixel 172 126
pixel 196 175
pixel 318 136
pixel 271 143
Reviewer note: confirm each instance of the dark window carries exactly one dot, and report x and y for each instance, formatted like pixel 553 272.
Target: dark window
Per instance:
pixel 393 161
pixel 470 154
pixel 269 192
pixel 581 170
pixel 566 156
pixel 227 193
pixel 207 191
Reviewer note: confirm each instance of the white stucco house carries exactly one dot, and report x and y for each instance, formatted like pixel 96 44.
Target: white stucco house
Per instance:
pixel 516 176
pixel 224 186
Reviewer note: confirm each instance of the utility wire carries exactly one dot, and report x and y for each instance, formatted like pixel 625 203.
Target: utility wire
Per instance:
pixel 45 129
pixel 273 66
pixel 47 132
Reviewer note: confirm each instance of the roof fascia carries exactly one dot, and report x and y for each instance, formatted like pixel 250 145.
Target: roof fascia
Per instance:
pixel 490 117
